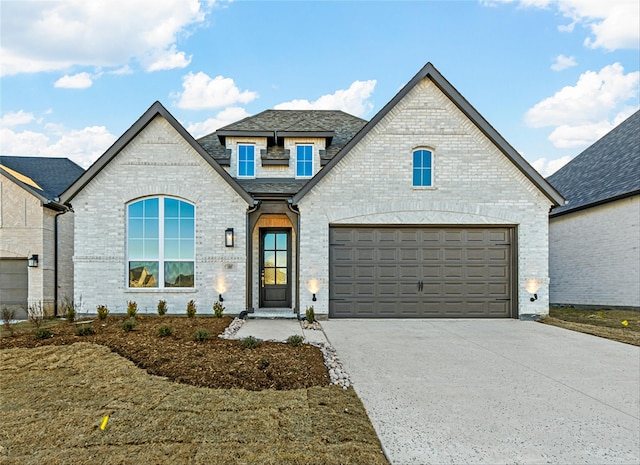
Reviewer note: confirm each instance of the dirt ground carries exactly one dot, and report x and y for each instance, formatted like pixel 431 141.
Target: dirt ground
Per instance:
pixel 214 363
pixel 54 398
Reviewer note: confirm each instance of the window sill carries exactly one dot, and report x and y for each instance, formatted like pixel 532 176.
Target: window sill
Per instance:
pixel 155 290
pixel 424 188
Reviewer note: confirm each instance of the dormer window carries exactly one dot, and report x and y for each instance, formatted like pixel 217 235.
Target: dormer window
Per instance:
pixel 246 161
pixel 304 161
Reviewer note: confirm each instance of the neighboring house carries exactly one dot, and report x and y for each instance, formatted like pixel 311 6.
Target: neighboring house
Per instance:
pixel 31 223
pixel 594 240
pixel 424 211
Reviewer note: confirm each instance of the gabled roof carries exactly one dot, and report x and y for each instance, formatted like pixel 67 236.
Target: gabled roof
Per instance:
pixel 44 177
pixel 607 170
pixel 155 110
pixel 430 72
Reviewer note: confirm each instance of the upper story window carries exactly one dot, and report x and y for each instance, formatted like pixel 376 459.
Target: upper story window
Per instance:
pixel 422 168
pixel 161 243
pixel 246 161
pixel 304 161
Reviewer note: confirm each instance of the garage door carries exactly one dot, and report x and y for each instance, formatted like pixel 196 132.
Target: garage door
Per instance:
pixel 414 272
pixel 14 286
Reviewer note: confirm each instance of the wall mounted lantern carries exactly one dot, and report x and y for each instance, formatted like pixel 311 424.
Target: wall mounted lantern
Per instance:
pixel 533 285
pixel 228 237
pixel 534 298
pixel 32 261
pixel 220 299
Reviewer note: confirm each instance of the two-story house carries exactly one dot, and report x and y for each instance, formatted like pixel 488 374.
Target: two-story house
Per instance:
pixel 423 211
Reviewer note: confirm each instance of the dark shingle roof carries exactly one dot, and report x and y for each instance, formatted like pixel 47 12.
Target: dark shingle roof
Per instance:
pixel 339 127
pixel 53 175
pixel 608 169
pixel 277 186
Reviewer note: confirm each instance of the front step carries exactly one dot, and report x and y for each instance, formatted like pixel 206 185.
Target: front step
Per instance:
pixel 286 313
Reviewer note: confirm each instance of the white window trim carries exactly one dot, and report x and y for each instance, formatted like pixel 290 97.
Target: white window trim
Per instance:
pixel 433 169
pixel 255 164
pixel 313 157
pixel 161 259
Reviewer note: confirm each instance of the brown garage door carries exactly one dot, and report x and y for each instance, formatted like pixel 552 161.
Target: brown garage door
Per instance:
pixel 416 272
pixel 14 286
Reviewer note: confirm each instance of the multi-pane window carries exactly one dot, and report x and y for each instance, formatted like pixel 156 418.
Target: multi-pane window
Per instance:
pixel 246 161
pixel 422 168
pixel 161 243
pixel 304 161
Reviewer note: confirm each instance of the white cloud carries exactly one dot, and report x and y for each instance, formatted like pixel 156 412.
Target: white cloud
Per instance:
pixel 226 116
pixel 613 23
pixel 548 167
pixel 563 62
pixel 202 92
pixel 76 81
pixel 582 113
pixel 16 118
pixel 83 146
pixel 353 100
pixel 54 35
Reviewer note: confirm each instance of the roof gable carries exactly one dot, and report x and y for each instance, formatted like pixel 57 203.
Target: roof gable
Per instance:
pixel 607 170
pixel 430 72
pixel 157 109
pixel 44 177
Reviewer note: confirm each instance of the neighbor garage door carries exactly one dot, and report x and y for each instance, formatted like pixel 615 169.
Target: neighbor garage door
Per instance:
pixel 14 286
pixel 416 272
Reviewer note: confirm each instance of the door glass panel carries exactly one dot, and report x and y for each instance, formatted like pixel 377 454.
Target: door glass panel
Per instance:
pixel 269 276
pixel 269 241
pixel 281 259
pixel 281 276
pixel 269 258
pixel 281 241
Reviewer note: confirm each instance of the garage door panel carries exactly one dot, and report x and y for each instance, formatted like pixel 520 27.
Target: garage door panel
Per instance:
pixel 14 286
pixel 420 272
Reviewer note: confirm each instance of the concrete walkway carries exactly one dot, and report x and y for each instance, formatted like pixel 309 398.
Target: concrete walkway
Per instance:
pixel 493 392
pixel 278 330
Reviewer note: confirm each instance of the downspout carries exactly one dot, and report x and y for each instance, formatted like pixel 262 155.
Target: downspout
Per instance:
pixel 249 257
pixel 55 260
pixel 294 209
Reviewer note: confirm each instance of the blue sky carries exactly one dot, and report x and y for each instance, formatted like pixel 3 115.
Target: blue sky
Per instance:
pixel 551 77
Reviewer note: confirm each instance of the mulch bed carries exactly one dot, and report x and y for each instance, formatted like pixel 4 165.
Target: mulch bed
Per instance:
pixel 213 363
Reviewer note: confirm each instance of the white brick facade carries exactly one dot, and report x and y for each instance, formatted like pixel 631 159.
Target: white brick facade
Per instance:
pixel 474 184
pixel 158 161
pixel 594 255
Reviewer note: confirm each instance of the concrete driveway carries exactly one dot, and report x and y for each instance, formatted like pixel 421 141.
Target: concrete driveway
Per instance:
pixel 493 392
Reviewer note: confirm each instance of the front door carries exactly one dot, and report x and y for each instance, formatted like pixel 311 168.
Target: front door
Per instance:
pixel 275 268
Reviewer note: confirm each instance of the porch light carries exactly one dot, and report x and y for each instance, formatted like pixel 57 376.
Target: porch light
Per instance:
pixel 314 298
pixel 32 261
pixel 313 286
pixel 532 288
pixel 220 299
pixel 228 237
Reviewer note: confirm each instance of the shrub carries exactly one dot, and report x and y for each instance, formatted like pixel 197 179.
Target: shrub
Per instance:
pixel 8 314
pixel 310 314
pixel 132 309
pixel 295 340
pixel 70 313
pixel 218 309
pixel 84 331
pixel 129 324
pixel 35 314
pixel 191 309
pixel 249 342
pixel 165 330
pixel 103 312
pixel 162 307
pixel 42 333
pixel 69 309
pixel 201 335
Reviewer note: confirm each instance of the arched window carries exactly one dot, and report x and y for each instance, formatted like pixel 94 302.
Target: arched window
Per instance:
pixel 422 168
pixel 160 243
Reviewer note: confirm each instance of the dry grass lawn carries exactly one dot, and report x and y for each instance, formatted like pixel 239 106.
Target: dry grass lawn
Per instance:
pixel 54 399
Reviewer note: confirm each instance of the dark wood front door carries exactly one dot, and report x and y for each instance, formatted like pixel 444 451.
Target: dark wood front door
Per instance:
pixel 275 268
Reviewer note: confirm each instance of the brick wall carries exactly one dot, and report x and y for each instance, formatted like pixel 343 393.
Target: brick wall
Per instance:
pixel 594 255
pixel 158 162
pixel 474 183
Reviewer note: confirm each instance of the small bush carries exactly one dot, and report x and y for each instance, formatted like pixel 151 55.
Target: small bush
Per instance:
pixel 132 309
pixel 35 314
pixel 310 314
pixel 84 331
pixel 7 317
pixel 295 340
pixel 69 309
pixel 249 342
pixel 129 324
pixel 201 335
pixel 191 309
pixel 218 309
pixel 162 307
pixel 103 312
pixel 70 314
pixel 165 330
pixel 42 333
